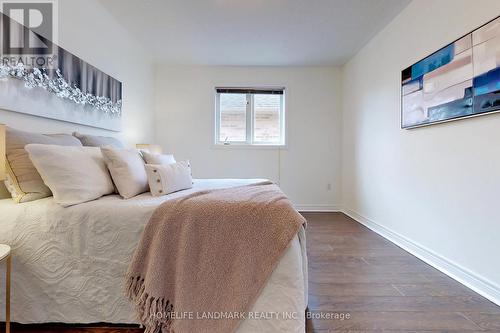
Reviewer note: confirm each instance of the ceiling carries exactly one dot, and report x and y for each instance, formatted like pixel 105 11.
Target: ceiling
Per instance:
pixel 253 32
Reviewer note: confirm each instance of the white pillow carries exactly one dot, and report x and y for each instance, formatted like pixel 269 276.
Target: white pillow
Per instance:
pixel 73 174
pixel 158 158
pixel 165 179
pixel 127 170
pixel 98 141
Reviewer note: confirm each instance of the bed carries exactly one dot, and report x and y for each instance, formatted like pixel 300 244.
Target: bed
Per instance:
pixel 69 263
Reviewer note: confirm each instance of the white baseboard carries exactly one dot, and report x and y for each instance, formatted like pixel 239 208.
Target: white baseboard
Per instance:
pixel 318 208
pixel 471 280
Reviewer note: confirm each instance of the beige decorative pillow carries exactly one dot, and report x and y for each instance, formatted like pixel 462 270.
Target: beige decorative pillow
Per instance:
pixel 161 159
pixel 74 174
pixel 127 170
pixel 23 181
pixel 165 179
pixel 98 141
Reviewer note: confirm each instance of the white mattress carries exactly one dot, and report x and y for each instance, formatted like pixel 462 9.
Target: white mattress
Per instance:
pixel 69 263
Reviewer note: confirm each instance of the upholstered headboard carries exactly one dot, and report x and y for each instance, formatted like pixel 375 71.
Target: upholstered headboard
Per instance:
pixel 4 194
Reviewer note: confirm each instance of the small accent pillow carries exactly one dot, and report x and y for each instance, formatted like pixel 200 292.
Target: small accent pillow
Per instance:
pixel 158 158
pixel 165 179
pixel 98 141
pixel 73 174
pixel 23 181
pixel 127 170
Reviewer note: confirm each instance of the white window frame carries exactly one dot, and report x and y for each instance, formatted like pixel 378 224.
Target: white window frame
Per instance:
pixel 250 121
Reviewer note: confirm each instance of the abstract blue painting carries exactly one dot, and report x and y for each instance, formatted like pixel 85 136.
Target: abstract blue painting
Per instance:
pixel 460 80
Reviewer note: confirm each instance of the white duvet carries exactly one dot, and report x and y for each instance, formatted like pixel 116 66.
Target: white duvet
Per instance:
pixel 69 263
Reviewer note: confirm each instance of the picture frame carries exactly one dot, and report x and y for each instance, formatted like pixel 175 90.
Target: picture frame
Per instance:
pixel 458 81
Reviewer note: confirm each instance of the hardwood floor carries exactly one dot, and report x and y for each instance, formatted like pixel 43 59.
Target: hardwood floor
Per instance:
pixel 354 271
pixel 57 328
pixel 366 284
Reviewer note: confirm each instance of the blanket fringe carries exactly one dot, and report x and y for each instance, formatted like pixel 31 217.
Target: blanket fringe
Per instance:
pixel 154 313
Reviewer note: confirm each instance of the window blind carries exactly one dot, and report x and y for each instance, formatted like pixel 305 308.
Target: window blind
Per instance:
pixel 268 91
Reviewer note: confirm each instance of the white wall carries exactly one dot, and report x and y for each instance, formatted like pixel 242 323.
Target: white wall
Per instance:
pixel 438 186
pixel 88 31
pixel 185 107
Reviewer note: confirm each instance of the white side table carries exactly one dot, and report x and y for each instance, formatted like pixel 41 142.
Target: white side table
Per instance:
pixel 5 255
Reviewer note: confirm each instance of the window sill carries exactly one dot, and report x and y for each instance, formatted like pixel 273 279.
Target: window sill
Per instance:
pixel 247 146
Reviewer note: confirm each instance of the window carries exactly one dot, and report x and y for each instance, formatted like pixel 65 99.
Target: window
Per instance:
pixel 250 116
